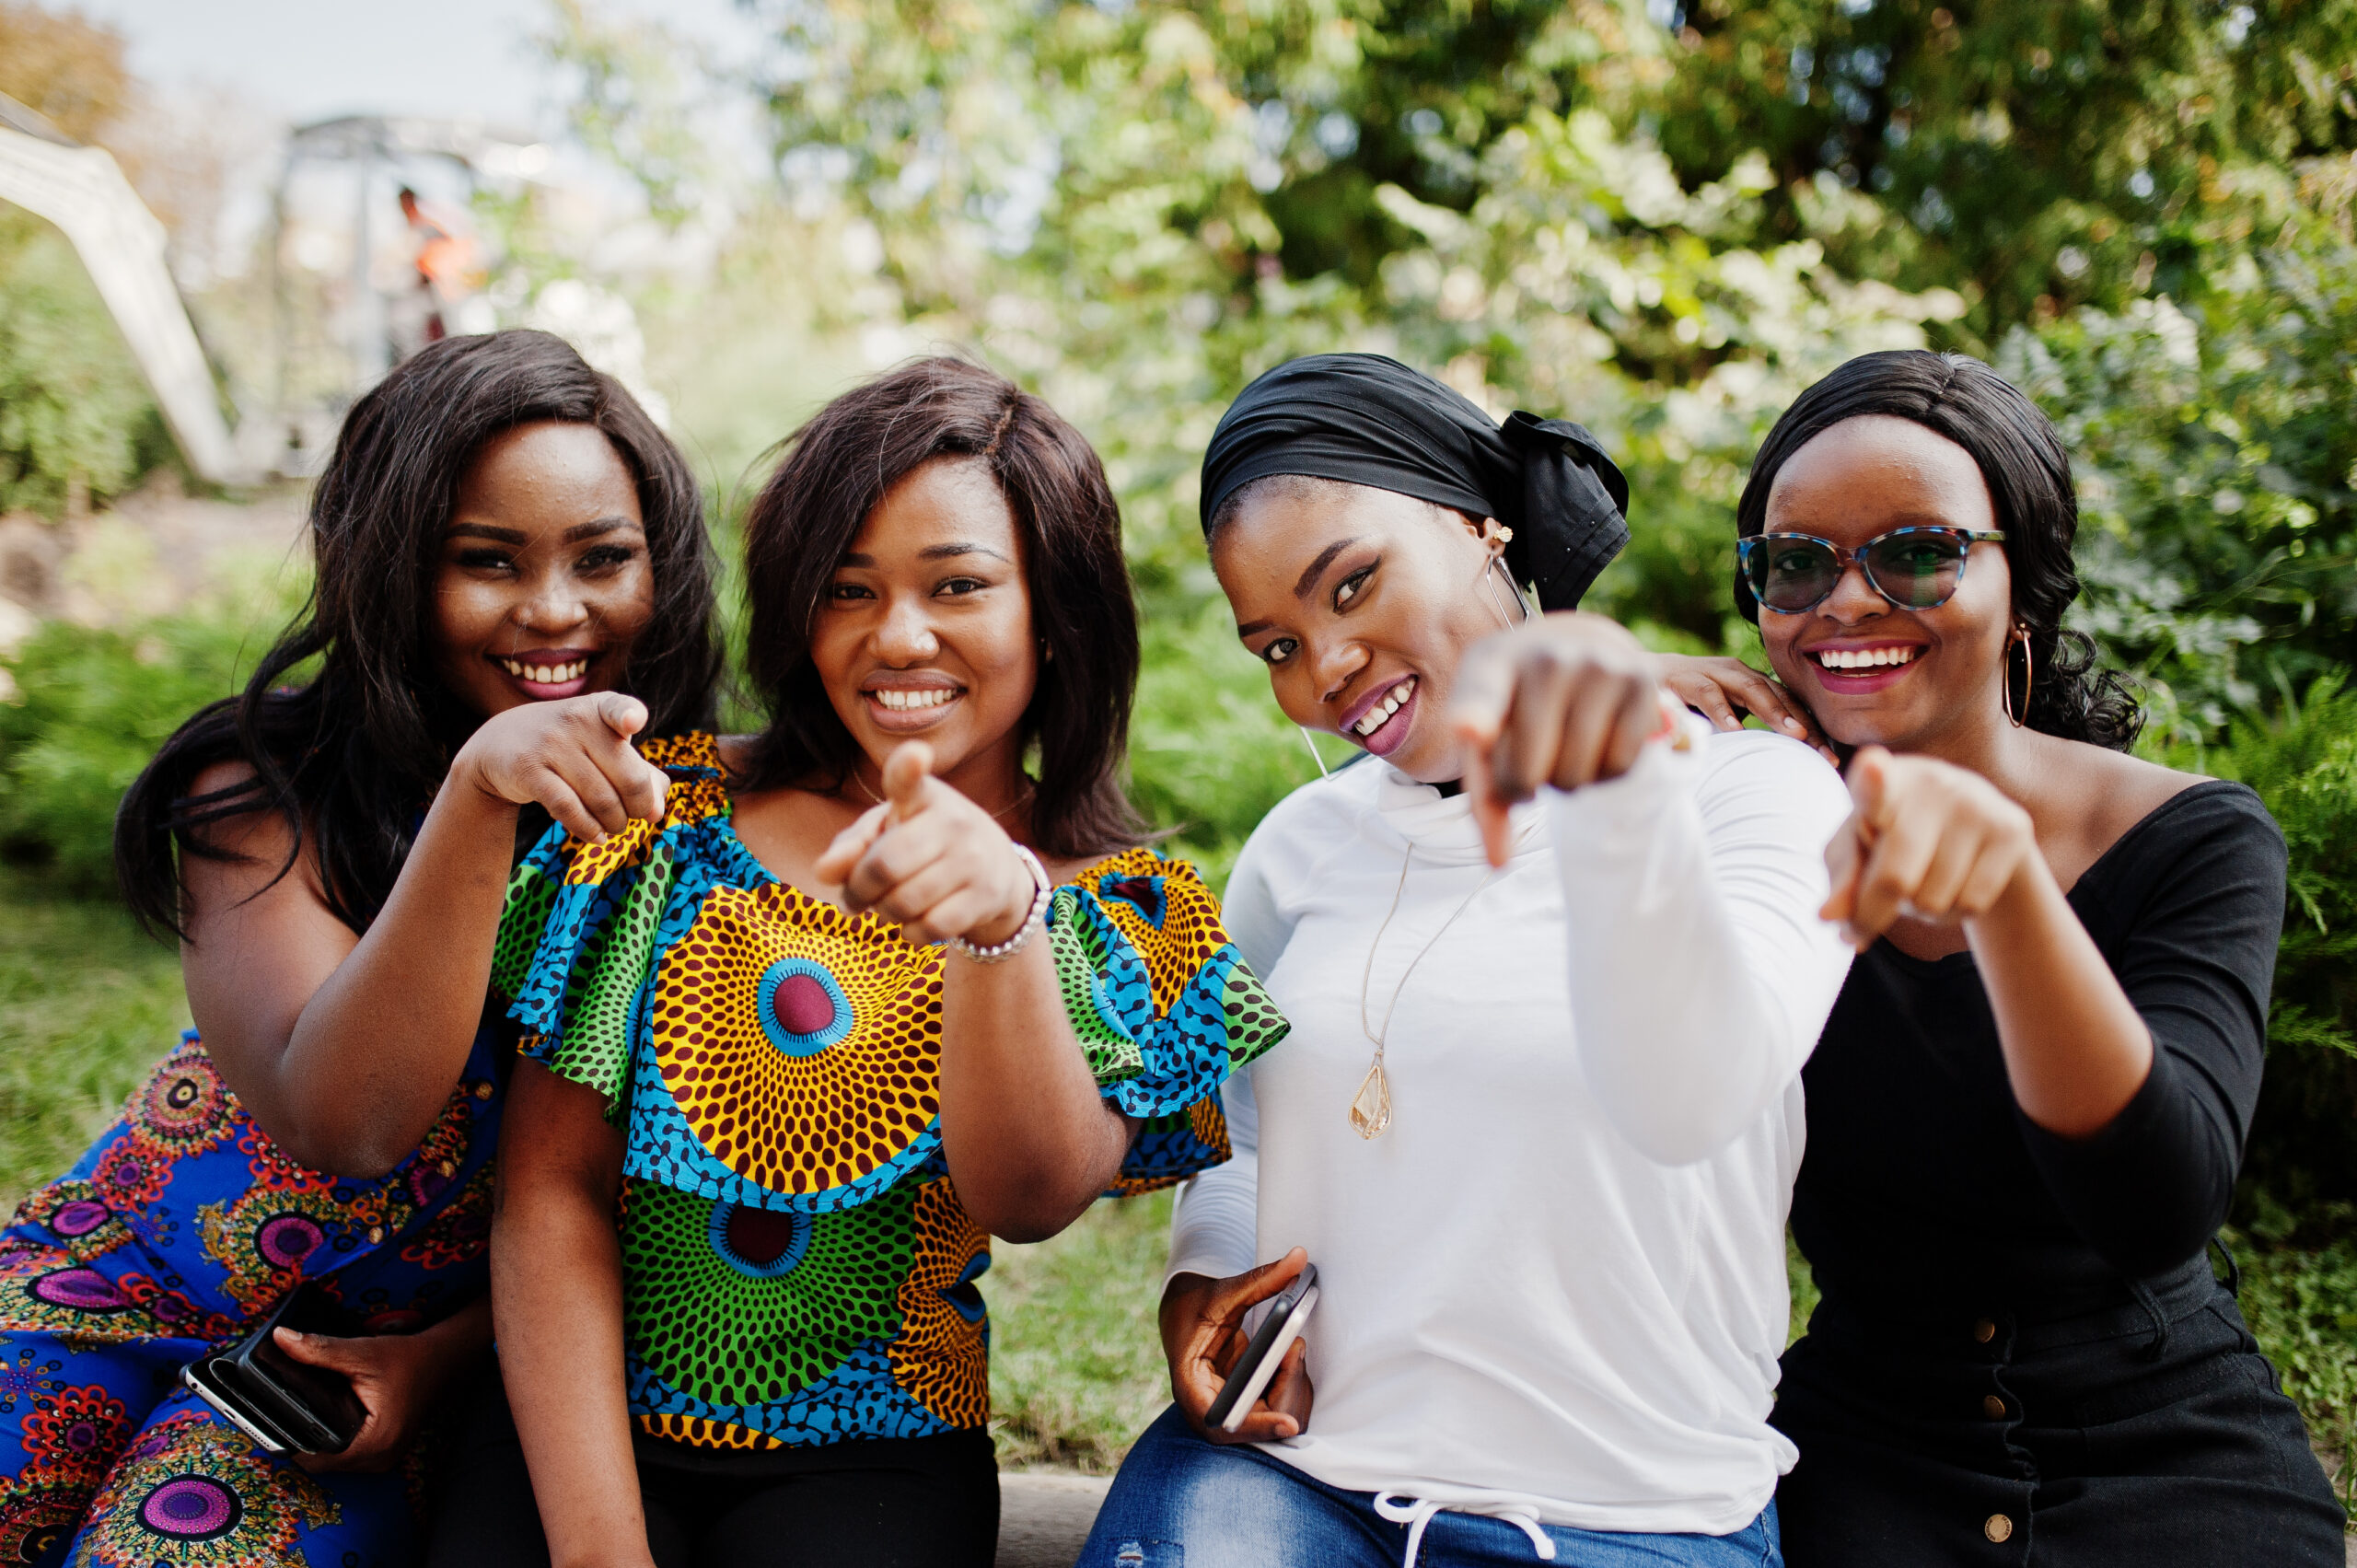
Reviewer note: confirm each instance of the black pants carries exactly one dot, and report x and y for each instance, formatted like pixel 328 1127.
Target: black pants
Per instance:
pixel 903 1502
pixel 2153 1436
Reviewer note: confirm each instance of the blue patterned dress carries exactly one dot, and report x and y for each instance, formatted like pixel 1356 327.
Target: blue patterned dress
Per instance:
pixel 183 1226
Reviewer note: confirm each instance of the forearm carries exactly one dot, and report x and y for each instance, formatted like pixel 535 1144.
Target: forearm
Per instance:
pixel 1029 1140
pixel 375 1053
pixel 2075 1048
pixel 557 1294
pixel 1699 973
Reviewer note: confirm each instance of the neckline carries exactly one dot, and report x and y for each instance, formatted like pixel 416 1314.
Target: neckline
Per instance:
pixel 2095 868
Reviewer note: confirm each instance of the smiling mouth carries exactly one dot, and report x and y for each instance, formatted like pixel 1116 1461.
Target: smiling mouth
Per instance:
pixel 546 674
pixel 1865 658
pixel 903 702
pixel 1379 714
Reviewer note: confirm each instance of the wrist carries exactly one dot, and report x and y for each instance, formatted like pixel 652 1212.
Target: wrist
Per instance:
pixel 993 941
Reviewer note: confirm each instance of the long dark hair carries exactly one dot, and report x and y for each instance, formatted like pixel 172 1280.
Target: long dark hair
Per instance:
pixel 2023 461
pixel 840 467
pixel 353 755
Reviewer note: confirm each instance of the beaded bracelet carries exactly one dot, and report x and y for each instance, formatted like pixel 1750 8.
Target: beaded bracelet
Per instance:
pixel 1037 917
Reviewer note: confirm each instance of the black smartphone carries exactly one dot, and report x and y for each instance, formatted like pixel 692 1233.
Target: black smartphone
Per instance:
pixel 287 1406
pixel 1265 1351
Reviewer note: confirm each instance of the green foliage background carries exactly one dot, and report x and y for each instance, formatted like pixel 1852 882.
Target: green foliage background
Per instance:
pixel 1661 218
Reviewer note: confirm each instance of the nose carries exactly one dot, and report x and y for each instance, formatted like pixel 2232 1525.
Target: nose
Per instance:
pixel 905 634
pixel 1331 664
pixel 555 604
pixel 1854 597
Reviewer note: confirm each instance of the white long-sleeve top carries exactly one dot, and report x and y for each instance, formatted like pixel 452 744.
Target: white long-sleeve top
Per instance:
pixel 1556 1285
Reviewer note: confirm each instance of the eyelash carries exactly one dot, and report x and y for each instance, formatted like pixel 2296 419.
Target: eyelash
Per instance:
pixel 962 586
pixel 1348 588
pixel 604 558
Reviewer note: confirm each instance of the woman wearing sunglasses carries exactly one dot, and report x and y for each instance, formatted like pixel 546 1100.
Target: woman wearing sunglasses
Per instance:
pixel 2025 1113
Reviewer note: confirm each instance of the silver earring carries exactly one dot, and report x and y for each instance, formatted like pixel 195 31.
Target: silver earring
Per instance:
pixel 1489 578
pixel 1310 741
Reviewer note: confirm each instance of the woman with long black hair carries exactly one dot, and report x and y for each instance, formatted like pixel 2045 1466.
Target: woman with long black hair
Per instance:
pixel 2026 1111
pixel 1539 1110
pixel 512 580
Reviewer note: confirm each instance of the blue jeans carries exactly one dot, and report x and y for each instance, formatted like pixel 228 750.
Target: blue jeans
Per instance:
pixel 1182 1502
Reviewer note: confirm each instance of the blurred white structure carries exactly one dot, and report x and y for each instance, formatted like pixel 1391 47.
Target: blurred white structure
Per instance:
pixel 82 191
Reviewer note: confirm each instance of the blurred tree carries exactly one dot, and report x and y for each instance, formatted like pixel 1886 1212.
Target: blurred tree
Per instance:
pixel 2035 153
pixel 67 70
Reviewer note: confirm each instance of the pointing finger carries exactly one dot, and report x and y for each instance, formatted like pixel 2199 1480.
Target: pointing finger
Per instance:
pixel 624 715
pixel 905 772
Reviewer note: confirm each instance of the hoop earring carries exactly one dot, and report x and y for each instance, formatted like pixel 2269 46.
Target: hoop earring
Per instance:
pixel 1490 576
pixel 2029 677
pixel 1309 740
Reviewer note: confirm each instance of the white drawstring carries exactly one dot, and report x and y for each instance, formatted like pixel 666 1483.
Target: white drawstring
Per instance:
pixel 1417 1512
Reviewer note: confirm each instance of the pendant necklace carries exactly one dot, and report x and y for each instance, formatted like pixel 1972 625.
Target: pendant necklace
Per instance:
pixel 1370 1107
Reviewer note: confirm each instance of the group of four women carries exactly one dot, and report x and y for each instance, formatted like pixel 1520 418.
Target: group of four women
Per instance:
pixel 774 1032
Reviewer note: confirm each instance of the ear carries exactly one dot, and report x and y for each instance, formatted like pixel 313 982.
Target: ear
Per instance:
pixel 1494 534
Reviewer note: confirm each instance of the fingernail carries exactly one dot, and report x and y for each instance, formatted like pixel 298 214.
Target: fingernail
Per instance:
pixel 1793 725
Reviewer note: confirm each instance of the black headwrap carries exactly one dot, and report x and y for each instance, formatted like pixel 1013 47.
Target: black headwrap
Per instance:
pixel 1372 420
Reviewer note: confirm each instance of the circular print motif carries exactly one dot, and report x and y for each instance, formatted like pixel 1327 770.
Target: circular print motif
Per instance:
pixel 761 1244
pixel 800 1043
pixel 802 1007
pixel 83 1289
pixel 284 1240
pixel 184 1102
pixel 728 1334
pixel 192 1507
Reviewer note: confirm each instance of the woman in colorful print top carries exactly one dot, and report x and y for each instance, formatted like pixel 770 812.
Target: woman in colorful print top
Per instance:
pixel 749 1042
pixel 333 855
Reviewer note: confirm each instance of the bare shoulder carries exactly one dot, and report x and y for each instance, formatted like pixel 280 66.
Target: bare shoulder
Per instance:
pixel 245 833
pixel 2095 796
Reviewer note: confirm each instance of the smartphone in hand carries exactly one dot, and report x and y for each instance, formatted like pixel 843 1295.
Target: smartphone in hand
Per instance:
pixel 285 1405
pixel 1249 1376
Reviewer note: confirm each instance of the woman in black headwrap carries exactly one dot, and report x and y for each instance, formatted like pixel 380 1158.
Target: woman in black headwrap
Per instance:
pixel 1539 1113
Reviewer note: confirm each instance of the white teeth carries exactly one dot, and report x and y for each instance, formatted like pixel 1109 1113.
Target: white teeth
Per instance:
pixel 1392 702
pixel 1864 658
pixel 546 674
pixel 925 697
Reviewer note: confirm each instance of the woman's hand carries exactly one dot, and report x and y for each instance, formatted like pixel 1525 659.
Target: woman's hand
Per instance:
pixel 1926 840
pixel 1202 1334
pixel 1721 689
pixel 397 1377
pixel 931 859
pixel 1566 700
pixel 574 756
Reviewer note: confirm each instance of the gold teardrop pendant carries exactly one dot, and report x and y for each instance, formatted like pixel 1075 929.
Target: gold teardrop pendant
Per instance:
pixel 1370 1107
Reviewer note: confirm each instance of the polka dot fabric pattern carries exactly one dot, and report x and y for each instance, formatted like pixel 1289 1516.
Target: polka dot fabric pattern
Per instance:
pixel 796 1268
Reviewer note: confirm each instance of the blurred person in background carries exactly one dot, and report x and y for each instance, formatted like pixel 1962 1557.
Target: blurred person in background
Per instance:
pixel 1538 1115
pixel 867 994
pixel 2028 1106
pixel 512 580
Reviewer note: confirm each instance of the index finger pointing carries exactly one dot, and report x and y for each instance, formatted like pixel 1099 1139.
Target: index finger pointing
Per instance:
pixel 905 772
pixel 1484 691
pixel 624 715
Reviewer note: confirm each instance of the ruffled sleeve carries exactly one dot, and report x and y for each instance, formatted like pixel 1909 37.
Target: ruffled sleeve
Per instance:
pixel 1161 1001
pixel 579 936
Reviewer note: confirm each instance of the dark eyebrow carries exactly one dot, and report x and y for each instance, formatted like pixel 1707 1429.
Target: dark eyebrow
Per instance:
pixel 580 532
pixel 1253 628
pixel 930 552
pixel 1316 569
pixel 573 535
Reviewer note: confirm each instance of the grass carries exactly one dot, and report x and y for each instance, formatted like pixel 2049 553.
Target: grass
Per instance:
pixel 1076 1368
pixel 88 1003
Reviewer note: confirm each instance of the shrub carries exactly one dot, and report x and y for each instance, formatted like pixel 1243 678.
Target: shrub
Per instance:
pixel 90 707
pixel 2303 761
pixel 76 421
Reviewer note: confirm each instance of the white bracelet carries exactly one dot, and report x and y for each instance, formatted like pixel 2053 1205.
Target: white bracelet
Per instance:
pixel 1037 917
